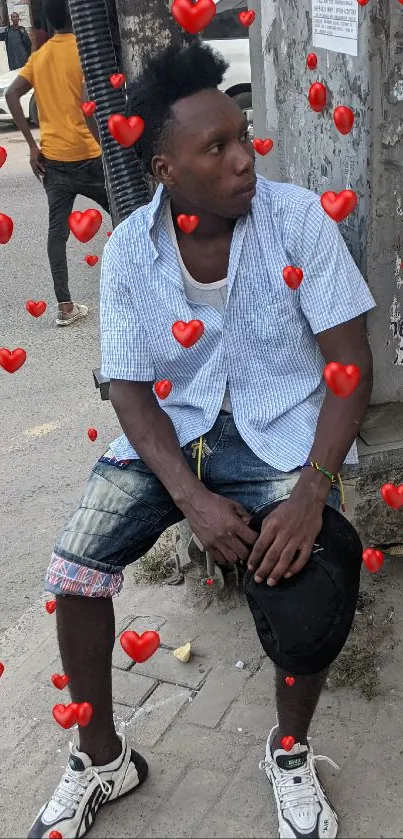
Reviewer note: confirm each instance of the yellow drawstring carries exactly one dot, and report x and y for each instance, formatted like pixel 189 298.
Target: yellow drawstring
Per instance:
pixel 342 496
pixel 199 458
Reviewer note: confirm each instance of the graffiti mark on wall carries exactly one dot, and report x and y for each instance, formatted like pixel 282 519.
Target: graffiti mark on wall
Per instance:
pixel 396 326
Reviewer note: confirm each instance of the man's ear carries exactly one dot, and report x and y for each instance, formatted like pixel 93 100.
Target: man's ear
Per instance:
pixel 162 170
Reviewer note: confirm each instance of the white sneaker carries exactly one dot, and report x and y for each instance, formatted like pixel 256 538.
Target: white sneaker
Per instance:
pixel 302 805
pixel 84 788
pixel 65 318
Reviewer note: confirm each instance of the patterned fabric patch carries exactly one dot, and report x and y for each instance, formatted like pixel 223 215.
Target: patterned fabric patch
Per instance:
pixel 110 458
pixel 66 577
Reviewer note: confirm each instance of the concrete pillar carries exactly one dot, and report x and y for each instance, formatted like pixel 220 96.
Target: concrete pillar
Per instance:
pixel 311 152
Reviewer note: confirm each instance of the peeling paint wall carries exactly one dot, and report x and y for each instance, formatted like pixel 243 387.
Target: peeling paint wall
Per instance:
pixel 310 151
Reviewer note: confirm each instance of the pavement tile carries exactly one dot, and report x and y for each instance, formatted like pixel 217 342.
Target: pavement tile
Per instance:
pixel 185 742
pixel 139 624
pixel 24 765
pixel 183 810
pixel 166 668
pixel 246 806
pixel 131 688
pixel 158 712
pixel 222 686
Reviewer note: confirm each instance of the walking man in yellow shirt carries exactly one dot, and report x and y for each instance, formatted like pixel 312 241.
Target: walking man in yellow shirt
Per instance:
pixel 68 162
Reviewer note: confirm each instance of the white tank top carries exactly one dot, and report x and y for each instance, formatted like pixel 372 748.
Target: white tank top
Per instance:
pixel 207 294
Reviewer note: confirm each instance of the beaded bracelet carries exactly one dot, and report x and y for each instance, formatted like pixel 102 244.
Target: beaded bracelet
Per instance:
pixel 332 478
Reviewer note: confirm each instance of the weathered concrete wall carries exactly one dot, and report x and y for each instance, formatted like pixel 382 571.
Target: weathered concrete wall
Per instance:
pixel 311 152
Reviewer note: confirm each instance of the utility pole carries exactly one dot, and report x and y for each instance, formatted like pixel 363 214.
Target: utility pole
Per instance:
pixel 146 26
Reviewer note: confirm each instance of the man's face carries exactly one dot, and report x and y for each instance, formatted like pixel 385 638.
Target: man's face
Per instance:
pixel 15 19
pixel 210 163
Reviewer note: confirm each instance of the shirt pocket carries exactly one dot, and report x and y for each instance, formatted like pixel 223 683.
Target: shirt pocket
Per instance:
pixel 277 320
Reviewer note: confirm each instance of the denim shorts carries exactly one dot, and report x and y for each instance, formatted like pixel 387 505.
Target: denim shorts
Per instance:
pixel 125 509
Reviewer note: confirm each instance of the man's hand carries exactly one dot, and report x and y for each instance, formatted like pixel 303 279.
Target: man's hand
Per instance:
pixel 287 537
pixel 37 162
pixel 221 526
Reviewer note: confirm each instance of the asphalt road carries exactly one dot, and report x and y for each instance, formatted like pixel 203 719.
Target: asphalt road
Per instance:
pixel 47 406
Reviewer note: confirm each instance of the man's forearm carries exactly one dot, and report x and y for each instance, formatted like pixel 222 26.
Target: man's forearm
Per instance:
pixel 151 433
pixel 17 113
pixel 338 425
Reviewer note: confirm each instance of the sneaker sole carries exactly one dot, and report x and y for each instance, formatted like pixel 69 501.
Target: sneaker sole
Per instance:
pixel 69 322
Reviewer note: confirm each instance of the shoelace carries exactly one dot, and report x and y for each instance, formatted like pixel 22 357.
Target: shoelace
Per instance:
pixel 291 794
pixel 73 786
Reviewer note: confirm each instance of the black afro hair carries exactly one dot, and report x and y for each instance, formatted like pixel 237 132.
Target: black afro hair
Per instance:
pixel 57 13
pixel 172 74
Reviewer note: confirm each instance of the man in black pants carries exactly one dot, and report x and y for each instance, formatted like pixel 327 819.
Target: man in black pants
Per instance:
pixel 18 43
pixel 69 161
pixel 206 321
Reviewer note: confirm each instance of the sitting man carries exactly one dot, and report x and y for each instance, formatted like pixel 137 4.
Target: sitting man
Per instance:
pixel 245 387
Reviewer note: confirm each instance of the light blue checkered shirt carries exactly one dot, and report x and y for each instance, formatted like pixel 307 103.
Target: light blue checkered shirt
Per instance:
pixel 264 344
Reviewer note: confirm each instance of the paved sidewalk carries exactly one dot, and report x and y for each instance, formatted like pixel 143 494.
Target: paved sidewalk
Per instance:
pixel 202 726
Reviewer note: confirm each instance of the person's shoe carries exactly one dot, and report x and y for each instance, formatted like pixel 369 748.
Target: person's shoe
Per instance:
pixel 302 805
pixel 84 788
pixel 65 318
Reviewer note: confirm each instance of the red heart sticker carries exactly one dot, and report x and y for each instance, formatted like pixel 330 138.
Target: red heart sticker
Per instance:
pixel 93 434
pixel 3 156
pixel 6 228
pixel 262 146
pixel 393 495
pixel 36 308
pixel 343 119
pixel 209 582
pixel 187 334
pixel 84 713
pixel 372 559
pixel 1 668
pixel 85 225
pixel 293 276
pixel 246 18
pixel 50 606
pixel 91 259
pixel 290 681
pixel 287 743
pixel 54 834
pixel 187 223
pixel 125 131
pixel 312 61
pixel 364 2
pixel 342 379
pixel 65 715
pixel 163 388
pixel 60 681
pixel 117 80
pixel 317 96
pixel 193 16
pixel 88 108
pixel 140 647
pixel 12 360
pixel 339 205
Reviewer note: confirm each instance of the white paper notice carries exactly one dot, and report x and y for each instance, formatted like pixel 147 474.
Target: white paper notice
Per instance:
pixel 335 25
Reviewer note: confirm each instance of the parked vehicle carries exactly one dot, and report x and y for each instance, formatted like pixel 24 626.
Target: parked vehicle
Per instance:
pixel 28 103
pixel 227 35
